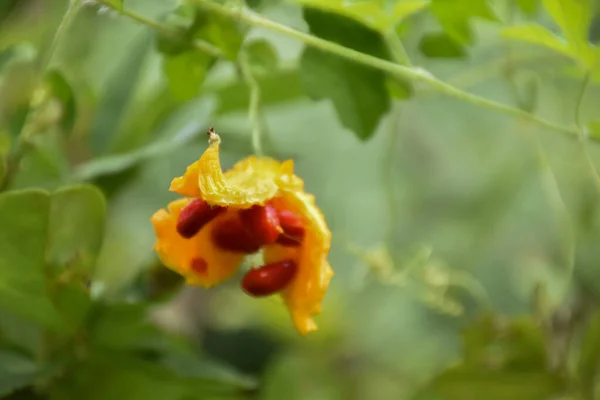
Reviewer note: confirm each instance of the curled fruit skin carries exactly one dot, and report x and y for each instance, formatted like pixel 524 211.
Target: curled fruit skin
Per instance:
pixel 261 223
pixel 230 235
pixel 269 279
pixel 195 215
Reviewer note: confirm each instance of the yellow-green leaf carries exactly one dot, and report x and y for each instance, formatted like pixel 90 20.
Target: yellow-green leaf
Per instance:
pixel 573 17
pixel 537 34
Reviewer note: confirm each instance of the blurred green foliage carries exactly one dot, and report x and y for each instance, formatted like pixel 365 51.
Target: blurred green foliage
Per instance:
pixel 465 224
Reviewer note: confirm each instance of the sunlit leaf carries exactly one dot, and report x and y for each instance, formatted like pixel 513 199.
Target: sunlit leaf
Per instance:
pixel 440 45
pixel 573 17
pixel 537 34
pixel 455 16
pixel 358 93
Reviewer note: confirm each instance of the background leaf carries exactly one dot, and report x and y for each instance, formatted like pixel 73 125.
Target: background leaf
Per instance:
pixel 440 45
pixel 358 93
pixel 455 16
pixel 539 35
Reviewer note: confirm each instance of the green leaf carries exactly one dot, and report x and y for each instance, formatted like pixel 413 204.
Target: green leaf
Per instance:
pixel 118 94
pixel 24 221
pixel 62 91
pixel 537 34
pixel 594 129
pixel 223 32
pixel 18 371
pixel 528 90
pixel 129 238
pixel 440 45
pixel 40 234
pixel 76 229
pixel 376 14
pixel 118 4
pixel 573 17
pixel 529 7
pixel 502 359
pixel 185 72
pixel 44 164
pixel 261 56
pixel 358 93
pixel 496 385
pixel 589 354
pixel 276 87
pixel 162 146
pixel 455 16
pixel 399 89
pixel 110 375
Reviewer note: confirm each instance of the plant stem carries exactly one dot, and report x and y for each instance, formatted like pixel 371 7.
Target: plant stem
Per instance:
pixel 397 49
pixel 412 73
pixel 580 130
pixel 201 45
pixel 254 107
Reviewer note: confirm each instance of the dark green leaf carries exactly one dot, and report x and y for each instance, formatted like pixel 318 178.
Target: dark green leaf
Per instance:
pixel 110 375
pixel 588 366
pixel 359 93
pixel 440 45
pixel 496 385
pixel 225 33
pixel 260 4
pixel 118 93
pixel 185 72
pixel 18 371
pixel 261 56
pixel 399 89
pixel 62 91
pixel 455 16
pixel 381 16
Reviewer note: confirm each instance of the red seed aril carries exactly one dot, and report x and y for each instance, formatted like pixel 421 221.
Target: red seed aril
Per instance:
pixel 269 279
pixel 288 241
pixel 230 235
pixel 194 216
pixel 261 223
pixel 199 266
pixel 293 228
